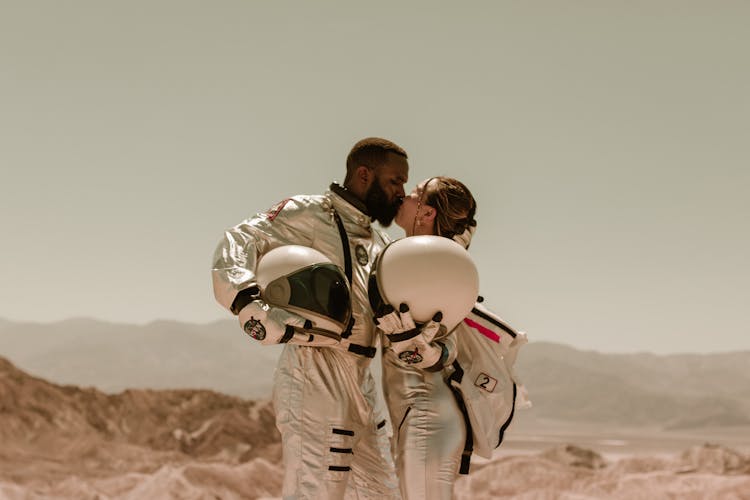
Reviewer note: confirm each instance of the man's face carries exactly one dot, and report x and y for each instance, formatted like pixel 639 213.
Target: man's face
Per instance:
pixel 384 195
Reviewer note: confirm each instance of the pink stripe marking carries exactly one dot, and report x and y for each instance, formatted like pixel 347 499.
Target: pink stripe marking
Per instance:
pixel 483 330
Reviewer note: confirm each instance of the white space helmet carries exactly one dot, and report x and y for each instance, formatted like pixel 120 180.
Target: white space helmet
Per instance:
pixel 430 274
pixel 304 281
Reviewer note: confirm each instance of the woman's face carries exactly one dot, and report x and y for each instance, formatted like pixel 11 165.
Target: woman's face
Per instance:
pixel 407 212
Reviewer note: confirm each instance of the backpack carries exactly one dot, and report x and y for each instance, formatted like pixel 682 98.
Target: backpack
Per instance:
pixel 483 381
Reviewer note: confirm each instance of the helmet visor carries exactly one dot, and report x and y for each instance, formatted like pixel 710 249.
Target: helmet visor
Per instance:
pixel 323 289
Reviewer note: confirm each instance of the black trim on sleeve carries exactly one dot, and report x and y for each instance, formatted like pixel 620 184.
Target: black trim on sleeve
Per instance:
pixel 401 337
pixel 288 334
pixel 457 375
pixel 341 468
pixel 343 432
pixel 243 298
pixel 501 433
pixel 341 450
pixel 362 350
pixel 494 321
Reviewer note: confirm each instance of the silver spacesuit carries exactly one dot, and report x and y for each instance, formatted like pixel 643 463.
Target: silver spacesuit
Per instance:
pixel 333 432
pixel 428 426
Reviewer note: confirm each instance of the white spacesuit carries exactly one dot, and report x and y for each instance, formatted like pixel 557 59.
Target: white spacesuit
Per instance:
pixel 449 395
pixel 333 433
pixel 428 426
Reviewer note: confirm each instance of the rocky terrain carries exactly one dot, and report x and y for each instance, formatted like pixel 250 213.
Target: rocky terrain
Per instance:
pixel 61 441
pixel 67 442
pixel 569 472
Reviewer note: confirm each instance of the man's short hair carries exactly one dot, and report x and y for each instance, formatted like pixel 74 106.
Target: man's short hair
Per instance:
pixel 371 152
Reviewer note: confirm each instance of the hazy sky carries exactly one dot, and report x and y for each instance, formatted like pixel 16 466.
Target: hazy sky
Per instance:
pixel 607 144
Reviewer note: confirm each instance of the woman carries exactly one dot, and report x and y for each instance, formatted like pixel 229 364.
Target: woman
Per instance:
pixel 429 431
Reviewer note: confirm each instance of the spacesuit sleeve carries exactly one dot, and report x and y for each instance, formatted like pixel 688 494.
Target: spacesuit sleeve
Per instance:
pixel 436 350
pixel 288 222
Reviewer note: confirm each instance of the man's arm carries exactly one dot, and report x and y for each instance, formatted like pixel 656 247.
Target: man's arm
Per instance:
pixel 237 254
pixel 234 266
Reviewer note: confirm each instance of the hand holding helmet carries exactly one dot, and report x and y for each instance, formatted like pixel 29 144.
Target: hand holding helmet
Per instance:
pixel 430 273
pixel 303 298
pixel 410 341
pixel 273 325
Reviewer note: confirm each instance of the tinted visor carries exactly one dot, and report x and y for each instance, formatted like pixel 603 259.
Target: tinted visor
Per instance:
pixel 323 289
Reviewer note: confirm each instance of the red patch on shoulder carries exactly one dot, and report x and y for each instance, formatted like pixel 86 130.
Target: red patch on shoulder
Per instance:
pixel 276 209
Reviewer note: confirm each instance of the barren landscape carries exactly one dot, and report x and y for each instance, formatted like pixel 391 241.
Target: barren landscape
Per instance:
pixel 579 440
pixel 605 146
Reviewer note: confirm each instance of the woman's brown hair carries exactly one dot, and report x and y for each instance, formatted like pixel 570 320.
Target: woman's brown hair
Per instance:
pixel 454 204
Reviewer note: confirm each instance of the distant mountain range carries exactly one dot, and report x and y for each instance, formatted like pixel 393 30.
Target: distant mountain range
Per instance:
pixel 682 391
pixel 159 355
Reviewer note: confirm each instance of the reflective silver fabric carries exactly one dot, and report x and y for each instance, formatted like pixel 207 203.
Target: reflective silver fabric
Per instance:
pixel 428 427
pixel 302 220
pixel 324 400
pixel 324 397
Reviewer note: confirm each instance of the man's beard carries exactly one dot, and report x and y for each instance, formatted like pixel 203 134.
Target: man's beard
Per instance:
pixel 378 205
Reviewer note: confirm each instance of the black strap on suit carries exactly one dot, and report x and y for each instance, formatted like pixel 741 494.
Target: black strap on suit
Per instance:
pixel 362 350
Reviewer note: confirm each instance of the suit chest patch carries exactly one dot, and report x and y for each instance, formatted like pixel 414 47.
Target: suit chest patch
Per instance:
pixel 272 212
pixel 361 254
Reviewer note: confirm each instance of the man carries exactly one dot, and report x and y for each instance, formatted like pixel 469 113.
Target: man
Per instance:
pixel 324 396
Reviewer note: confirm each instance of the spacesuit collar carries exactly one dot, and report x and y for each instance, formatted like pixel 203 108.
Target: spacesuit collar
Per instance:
pixel 349 197
pixel 349 205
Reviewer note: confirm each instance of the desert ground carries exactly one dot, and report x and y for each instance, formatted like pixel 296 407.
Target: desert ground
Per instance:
pixel 66 442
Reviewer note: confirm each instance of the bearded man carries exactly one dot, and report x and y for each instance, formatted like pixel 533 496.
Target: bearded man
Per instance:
pixel 333 432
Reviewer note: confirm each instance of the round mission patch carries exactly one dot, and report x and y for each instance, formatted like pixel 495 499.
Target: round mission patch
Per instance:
pixel 361 254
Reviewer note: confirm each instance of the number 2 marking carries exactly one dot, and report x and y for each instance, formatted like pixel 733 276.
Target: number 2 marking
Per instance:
pixel 486 382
